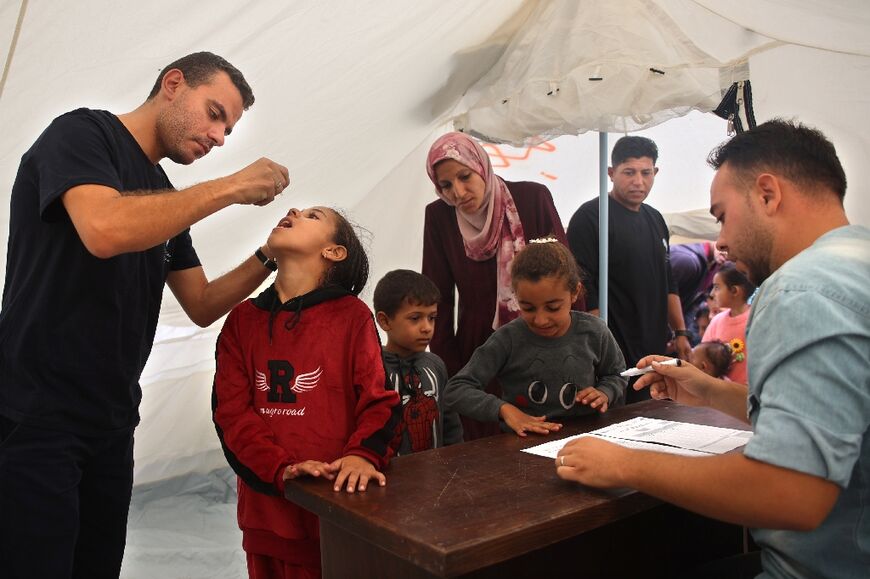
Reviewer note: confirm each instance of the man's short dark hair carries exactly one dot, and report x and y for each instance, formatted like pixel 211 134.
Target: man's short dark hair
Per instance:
pixel 403 285
pixel 199 68
pixel 799 153
pixel 633 148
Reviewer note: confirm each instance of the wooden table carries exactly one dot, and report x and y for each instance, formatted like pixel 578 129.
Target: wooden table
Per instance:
pixel 485 509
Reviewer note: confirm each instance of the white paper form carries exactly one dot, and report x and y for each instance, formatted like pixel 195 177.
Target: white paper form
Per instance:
pixel 660 435
pixel 711 439
pixel 552 448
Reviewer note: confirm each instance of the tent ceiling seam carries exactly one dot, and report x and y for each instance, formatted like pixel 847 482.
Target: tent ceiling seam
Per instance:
pixel 12 44
pixel 777 38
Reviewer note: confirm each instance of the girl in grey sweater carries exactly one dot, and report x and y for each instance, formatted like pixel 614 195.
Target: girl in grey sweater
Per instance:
pixel 552 362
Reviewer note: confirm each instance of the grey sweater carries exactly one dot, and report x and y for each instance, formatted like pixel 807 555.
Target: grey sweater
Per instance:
pixel 538 375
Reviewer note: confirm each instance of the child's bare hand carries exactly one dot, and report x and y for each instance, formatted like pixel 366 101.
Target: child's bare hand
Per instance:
pixel 357 472
pixel 309 468
pixel 521 423
pixel 593 398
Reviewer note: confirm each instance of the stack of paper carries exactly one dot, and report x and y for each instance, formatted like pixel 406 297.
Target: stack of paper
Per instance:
pixel 659 435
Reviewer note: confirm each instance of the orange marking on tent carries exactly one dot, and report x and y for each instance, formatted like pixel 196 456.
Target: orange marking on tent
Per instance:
pixel 549 176
pixel 500 159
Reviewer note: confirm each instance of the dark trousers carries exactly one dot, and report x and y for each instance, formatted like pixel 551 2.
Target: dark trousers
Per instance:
pixel 64 500
pixel 743 566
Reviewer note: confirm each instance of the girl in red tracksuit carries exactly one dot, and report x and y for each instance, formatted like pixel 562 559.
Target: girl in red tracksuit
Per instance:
pixel 300 389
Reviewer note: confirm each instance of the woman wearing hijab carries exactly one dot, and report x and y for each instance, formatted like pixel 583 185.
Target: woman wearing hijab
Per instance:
pixel 470 237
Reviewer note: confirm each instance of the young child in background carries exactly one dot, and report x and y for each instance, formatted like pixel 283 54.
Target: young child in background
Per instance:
pixel 406 306
pixel 713 358
pixel 300 389
pixel 552 362
pixel 712 307
pixel 702 320
pixel 731 290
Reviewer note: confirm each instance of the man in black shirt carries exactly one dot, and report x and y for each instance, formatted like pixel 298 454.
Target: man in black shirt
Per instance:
pixel 642 295
pixel 96 230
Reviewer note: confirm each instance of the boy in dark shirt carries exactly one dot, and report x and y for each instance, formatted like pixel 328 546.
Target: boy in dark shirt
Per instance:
pixel 406 303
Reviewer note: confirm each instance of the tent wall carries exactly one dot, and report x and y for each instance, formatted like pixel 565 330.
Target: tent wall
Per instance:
pixel 830 91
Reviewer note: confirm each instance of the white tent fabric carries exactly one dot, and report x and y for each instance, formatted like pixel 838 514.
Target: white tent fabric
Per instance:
pixel 676 56
pixel 839 26
pixel 351 93
pixel 572 68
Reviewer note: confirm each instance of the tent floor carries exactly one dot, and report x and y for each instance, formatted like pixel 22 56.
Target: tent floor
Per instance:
pixel 185 528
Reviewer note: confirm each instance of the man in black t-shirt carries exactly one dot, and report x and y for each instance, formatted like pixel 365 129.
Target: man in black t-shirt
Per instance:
pixel 96 230
pixel 642 296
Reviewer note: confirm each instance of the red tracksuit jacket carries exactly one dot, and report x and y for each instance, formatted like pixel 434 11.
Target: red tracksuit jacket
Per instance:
pixel 297 381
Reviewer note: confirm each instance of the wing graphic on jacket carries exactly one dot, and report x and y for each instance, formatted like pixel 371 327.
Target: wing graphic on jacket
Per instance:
pixel 307 381
pixel 260 381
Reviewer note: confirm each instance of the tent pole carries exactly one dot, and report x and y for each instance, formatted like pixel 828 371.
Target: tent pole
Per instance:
pixel 603 225
pixel 12 45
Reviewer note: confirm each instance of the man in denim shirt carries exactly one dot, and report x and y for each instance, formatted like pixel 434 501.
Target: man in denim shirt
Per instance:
pixel 803 480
